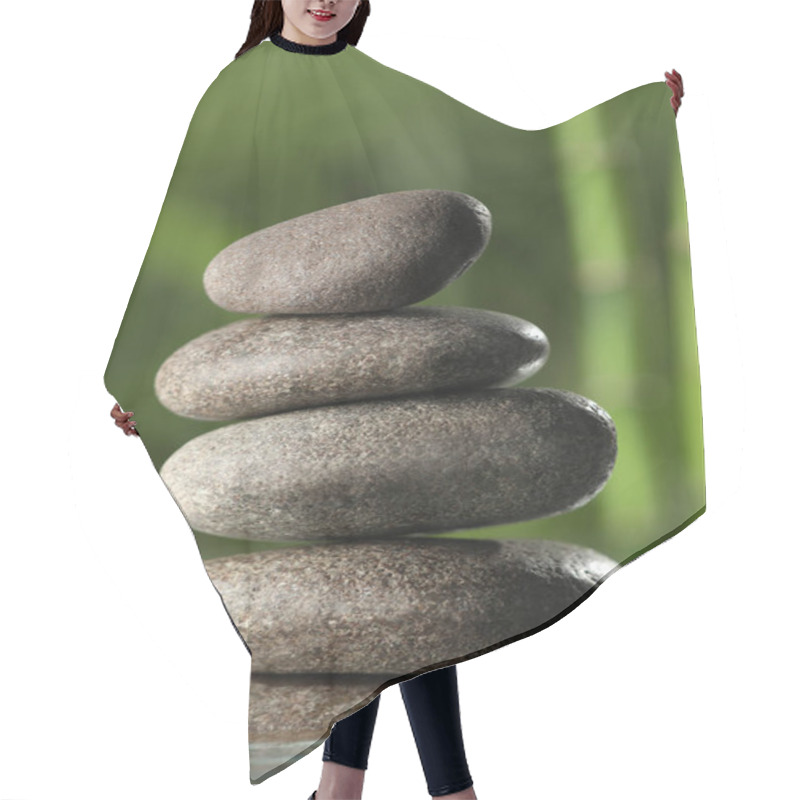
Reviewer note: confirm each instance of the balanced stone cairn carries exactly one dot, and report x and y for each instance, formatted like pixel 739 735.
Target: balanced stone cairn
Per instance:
pixel 366 421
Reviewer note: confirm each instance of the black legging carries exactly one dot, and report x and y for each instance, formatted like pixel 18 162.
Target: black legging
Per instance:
pixel 432 706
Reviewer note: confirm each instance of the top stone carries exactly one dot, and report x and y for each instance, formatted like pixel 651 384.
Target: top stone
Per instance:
pixel 372 254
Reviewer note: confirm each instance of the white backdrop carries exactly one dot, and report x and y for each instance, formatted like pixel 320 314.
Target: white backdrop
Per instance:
pixel 120 675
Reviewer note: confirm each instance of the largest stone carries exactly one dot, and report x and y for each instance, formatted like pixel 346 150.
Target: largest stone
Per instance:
pixel 392 466
pixel 376 253
pixel 394 607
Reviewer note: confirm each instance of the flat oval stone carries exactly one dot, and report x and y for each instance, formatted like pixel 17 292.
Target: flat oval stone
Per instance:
pixel 265 365
pixel 372 254
pixel 398 606
pixel 385 467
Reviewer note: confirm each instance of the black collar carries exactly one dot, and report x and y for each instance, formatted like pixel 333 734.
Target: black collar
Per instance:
pixel 310 49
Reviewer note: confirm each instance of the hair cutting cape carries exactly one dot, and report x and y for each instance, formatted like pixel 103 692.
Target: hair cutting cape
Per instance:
pixel 418 380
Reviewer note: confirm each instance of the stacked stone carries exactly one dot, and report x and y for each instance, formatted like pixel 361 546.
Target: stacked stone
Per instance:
pixel 367 420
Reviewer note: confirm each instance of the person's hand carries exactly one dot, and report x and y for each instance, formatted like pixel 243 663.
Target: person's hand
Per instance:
pixel 122 419
pixel 675 82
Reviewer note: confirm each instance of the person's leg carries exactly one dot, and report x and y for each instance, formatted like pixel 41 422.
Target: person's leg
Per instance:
pixel 433 710
pixel 346 753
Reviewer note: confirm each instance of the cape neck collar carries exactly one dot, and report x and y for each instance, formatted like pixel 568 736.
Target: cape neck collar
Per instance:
pixel 309 49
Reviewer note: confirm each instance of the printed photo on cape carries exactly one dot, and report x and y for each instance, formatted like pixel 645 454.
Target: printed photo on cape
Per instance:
pixel 122 673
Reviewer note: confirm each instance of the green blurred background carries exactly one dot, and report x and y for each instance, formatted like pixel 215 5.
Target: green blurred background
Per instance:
pixel 589 242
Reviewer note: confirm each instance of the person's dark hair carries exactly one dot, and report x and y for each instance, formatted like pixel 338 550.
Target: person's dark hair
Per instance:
pixel 266 18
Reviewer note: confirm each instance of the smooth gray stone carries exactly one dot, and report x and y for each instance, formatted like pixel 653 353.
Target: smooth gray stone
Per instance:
pixel 265 365
pixel 290 708
pixel 372 254
pixel 424 463
pixel 394 607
